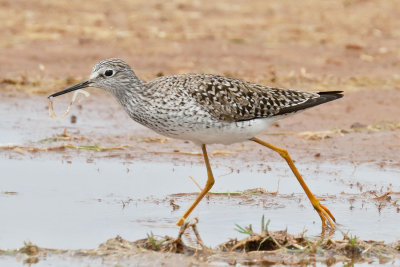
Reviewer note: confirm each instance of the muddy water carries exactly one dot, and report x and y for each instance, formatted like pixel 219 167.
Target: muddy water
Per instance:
pixel 79 205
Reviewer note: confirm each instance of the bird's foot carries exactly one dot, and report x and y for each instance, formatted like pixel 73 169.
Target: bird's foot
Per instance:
pixel 325 214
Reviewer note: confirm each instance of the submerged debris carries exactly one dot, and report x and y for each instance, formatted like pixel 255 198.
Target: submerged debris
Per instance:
pixel 97 148
pixel 272 247
pixel 354 128
pixel 265 248
pixel 29 249
pixel 175 245
pixel 161 139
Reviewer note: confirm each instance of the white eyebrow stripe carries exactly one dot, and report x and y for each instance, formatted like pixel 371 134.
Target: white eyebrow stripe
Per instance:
pixel 94 75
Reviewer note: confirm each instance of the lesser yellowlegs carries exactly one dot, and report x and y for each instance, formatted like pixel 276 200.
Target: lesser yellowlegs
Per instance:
pixel 206 109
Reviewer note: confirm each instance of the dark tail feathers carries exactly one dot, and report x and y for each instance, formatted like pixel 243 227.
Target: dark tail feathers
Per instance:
pixel 324 97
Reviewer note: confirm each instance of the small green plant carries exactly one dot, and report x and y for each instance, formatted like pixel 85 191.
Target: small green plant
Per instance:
pixel 154 242
pixel 264 226
pixel 353 240
pixel 246 230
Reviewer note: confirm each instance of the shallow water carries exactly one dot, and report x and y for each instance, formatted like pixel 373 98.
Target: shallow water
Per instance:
pixel 80 205
pixel 140 260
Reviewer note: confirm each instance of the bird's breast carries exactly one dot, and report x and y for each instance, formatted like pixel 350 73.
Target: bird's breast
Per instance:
pixel 183 118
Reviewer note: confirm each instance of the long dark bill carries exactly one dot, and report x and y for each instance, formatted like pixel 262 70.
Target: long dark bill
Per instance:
pixel 72 88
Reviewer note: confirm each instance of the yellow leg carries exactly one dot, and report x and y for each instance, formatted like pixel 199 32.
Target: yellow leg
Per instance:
pixel 323 212
pixel 209 184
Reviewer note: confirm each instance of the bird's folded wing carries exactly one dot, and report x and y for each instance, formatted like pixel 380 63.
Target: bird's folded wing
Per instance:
pixel 235 100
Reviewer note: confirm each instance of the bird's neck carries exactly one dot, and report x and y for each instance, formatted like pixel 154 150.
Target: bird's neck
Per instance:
pixel 131 98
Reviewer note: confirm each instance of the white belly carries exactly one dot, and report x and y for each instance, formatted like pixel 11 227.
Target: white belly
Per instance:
pixel 227 132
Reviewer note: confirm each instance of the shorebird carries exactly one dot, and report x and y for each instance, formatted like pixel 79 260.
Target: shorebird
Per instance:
pixel 206 109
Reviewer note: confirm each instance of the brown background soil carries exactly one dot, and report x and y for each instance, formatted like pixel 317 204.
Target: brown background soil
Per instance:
pixel 350 44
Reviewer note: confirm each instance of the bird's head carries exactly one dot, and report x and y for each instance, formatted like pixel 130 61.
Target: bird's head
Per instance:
pixel 111 75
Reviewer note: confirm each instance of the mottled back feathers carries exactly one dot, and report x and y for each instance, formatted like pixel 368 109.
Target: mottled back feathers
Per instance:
pixel 231 100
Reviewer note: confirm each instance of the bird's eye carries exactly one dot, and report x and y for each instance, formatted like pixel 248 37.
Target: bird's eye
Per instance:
pixel 108 73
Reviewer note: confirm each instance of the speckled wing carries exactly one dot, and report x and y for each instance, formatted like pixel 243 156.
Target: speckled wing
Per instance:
pixel 235 100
